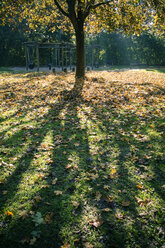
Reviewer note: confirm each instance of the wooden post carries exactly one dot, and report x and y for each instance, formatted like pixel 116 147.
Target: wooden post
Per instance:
pixel 26 55
pixel 85 56
pixel 66 57
pixel 99 56
pixel 55 57
pixel 38 57
pixel 92 58
pixel 62 58
pixel 70 58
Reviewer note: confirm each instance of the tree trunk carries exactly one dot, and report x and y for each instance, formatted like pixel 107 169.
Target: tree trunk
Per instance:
pixel 80 61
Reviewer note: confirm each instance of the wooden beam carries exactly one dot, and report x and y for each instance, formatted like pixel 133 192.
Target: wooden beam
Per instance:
pixel 26 55
pixel 38 57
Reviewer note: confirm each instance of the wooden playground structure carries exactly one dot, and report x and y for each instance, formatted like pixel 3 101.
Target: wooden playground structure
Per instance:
pixel 60 55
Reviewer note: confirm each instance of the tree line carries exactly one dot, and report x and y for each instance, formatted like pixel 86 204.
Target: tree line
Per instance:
pixel 83 17
pixel 115 48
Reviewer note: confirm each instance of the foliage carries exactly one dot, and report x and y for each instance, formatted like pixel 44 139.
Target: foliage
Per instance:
pixel 12 39
pixel 11 47
pixel 118 49
pixel 96 15
pixel 86 173
pixel 112 15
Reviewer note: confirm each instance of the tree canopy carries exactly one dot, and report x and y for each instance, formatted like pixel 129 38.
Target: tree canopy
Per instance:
pixel 85 15
pixel 127 15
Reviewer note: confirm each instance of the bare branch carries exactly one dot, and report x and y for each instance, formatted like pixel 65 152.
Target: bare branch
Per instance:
pixel 72 13
pixel 99 4
pixel 60 8
pixel 91 6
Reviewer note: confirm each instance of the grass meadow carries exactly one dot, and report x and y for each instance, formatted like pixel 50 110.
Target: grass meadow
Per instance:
pixel 86 173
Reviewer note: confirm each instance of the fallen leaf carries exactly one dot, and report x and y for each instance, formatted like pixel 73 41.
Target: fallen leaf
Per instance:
pixel 37 218
pixel 106 210
pixel 113 173
pixel 140 186
pixel 88 245
pixel 2 180
pixel 54 181
pixel 106 186
pixel 75 204
pixel 66 245
pixel 31 212
pixel 45 186
pixel 32 241
pixel 96 222
pixel 25 240
pixel 125 203
pixel 4 192
pixel 37 198
pixel 23 214
pixel 8 213
pixel 41 175
pixel 58 192
pixel 76 144
pixel 108 198
pixel 142 202
pixel 94 176
pixel 98 196
pixel 68 166
pixel 119 216
pixel 48 218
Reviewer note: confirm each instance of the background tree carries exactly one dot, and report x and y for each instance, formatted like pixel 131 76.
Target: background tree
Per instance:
pixel 123 15
pixel 146 49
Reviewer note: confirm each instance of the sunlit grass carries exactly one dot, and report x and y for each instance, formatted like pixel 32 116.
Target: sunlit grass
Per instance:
pixel 92 170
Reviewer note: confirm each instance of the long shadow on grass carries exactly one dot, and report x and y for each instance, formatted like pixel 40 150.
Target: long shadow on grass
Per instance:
pixel 113 190
pixel 126 151
pixel 83 198
pixel 60 161
pixel 71 162
pixel 126 183
pixel 22 165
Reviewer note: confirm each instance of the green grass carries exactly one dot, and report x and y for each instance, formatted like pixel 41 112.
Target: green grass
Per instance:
pixel 5 70
pixel 86 173
pixel 9 70
pixel 159 69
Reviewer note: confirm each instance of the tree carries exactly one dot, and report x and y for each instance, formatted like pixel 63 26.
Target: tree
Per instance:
pixel 127 15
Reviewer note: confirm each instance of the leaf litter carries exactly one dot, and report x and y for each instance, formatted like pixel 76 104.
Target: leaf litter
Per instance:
pixel 110 146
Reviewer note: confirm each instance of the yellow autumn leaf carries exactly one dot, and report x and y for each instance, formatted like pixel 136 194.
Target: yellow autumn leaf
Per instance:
pixel 8 213
pixel 140 186
pixel 108 198
pixel 4 192
pixel 44 186
pixel 48 218
pixel 88 245
pixel 96 222
pixel 75 204
pixel 2 180
pixel 119 216
pixel 58 192
pixel 125 203
pixel 54 181
pixel 68 166
pixel 113 171
pixel 37 198
pixel 66 245
pixel 23 214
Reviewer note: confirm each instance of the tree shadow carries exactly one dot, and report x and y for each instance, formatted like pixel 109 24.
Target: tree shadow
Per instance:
pixel 86 192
